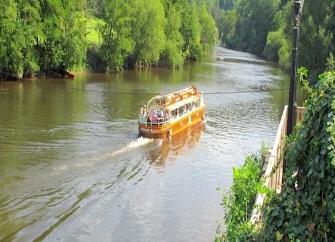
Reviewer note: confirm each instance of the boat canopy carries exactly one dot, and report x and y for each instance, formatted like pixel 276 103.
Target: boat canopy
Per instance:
pixel 175 98
pixel 182 103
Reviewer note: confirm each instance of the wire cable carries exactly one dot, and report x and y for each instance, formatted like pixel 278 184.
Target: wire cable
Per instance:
pixel 204 93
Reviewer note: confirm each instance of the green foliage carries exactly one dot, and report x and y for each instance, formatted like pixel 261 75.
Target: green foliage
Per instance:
pixel 64 46
pixel 239 202
pixel 264 27
pixel 330 66
pixel 227 27
pixel 304 211
pixel 53 36
pixel 285 55
pixel 148 30
pixel 94 7
pixel 254 19
pixel 191 31
pixel 159 32
pixel 275 41
pixel 40 35
pixel 226 4
pixel 117 43
pixel 93 36
pixel 317 38
pixel 172 54
pixel 209 32
pixel 19 32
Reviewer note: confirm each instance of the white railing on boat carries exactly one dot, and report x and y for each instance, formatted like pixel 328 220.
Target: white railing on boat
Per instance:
pixel 160 121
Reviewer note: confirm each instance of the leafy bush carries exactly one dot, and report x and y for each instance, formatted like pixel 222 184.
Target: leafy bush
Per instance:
pixel 239 202
pixel 46 36
pixel 275 41
pixel 158 32
pixel 305 210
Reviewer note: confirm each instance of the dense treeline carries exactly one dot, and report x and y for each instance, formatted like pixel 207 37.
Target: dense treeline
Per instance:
pixel 40 36
pixel 53 36
pixel 264 27
pixel 159 32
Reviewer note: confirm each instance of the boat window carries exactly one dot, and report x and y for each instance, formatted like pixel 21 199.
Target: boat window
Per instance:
pixel 181 110
pixel 174 113
pixel 187 108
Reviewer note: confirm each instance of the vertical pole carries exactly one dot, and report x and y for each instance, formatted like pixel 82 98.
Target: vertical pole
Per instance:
pixel 292 105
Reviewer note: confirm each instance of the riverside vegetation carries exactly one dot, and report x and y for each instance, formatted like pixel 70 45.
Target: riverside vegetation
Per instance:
pixel 264 27
pixel 52 36
pixel 304 210
pixel 238 203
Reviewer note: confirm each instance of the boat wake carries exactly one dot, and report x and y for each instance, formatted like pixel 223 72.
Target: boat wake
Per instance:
pixel 141 141
pixel 103 156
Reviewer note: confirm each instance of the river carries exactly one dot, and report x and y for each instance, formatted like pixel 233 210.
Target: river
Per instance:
pixel 72 167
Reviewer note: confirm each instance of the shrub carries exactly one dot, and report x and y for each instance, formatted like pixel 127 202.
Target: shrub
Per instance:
pixel 239 202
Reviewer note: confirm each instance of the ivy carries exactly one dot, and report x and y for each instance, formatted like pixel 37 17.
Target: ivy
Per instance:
pixel 305 209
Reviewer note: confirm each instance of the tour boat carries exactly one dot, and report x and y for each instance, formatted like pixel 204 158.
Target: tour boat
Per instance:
pixel 165 116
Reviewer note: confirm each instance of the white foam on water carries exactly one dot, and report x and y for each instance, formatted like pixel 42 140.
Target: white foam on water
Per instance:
pixel 133 145
pixel 139 142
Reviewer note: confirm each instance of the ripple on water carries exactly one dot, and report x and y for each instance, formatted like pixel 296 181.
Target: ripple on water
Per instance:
pixel 73 169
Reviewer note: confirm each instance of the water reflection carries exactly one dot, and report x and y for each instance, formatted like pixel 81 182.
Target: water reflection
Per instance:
pixel 180 143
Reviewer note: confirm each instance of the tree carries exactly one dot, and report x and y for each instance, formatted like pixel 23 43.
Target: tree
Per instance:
pixel 19 32
pixel 172 53
pixel 191 30
pixel 227 27
pixel 209 32
pixel 330 66
pixel 64 46
pixel 275 41
pixel 117 41
pixel 264 27
pixel 148 31
pixel 317 35
pixel 255 20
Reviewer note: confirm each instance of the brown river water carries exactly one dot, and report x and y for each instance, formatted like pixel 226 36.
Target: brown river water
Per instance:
pixel 72 167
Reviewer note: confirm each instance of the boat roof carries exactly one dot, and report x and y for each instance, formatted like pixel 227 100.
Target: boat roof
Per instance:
pixel 175 99
pixel 181 103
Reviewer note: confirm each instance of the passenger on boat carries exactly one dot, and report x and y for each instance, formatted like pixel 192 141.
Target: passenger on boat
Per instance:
pixel 154 118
